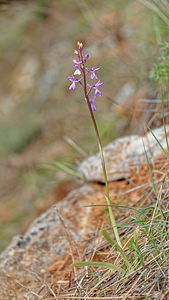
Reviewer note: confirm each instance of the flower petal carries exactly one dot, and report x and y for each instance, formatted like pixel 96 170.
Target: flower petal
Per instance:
pixel 98 93
pixel 77 72
pixel 93 106
pixel 72 86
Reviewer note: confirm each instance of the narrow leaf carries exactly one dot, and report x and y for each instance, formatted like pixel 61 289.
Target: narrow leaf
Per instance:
pixel 99 264
pixel 167 155
pixel 114 244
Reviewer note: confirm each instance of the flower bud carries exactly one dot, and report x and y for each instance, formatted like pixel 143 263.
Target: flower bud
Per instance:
pixel 80 45
pixel 86 57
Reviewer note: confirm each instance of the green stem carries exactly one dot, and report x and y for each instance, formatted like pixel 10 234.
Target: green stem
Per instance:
pixel 112 218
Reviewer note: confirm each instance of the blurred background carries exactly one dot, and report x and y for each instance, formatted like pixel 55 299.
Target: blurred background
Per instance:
pixel 41 121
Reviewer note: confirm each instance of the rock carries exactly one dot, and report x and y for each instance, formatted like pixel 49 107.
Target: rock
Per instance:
pixel 125 93
pixel 45 241
pixel 122 155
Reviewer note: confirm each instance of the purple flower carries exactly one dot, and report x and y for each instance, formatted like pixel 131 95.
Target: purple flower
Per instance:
pixel 92 71
pixel 76 62
pixel 77 71
pixel 93 106
pixel 96 87
pixel 86 57
pixel 91 100
pixel 74 81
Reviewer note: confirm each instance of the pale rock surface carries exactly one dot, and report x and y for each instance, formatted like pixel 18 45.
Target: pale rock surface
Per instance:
pixel 122 155
pixel 45 242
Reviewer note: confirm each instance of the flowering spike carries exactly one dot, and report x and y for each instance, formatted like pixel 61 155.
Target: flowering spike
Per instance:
pixel 79 66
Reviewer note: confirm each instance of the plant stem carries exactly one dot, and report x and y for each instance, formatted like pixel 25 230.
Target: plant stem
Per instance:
pixel 114 225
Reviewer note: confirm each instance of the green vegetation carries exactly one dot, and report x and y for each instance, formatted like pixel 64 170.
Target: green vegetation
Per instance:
pixel 41 10
pixel 160 71
pixel 15 136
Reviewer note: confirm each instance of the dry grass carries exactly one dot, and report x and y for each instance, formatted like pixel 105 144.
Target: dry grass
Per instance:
pixel 145 239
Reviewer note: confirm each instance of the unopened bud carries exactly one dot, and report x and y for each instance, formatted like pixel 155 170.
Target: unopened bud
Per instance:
pixel 86 57
pixel 80 45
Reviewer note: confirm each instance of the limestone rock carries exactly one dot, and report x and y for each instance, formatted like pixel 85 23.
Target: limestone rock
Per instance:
pixel 122 155
pixel 44 242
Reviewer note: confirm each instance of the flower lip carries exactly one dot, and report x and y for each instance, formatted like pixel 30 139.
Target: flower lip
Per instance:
pixel 91 100
pixel 98 84
pixel 93 106
pixel 77 72
pixel 74 81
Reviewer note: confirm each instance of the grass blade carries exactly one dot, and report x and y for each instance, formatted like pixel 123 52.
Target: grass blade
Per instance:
pixel 99 264
pixel 114 244
pixel 167 155
pixel 113 222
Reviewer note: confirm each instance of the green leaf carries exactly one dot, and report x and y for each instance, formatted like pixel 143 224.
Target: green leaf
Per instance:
pixel 114 244
pixel 159 143
pixel 113 222
pixel 99 264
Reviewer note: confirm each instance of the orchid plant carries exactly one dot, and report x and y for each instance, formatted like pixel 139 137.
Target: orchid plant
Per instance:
pixel 91 91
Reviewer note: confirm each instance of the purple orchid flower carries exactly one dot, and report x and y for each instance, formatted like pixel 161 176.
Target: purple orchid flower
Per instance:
pixel 74 81
pixel 93 106
pixel 92 99
pixel 92 71
pixel 96 87
pixel 78 70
